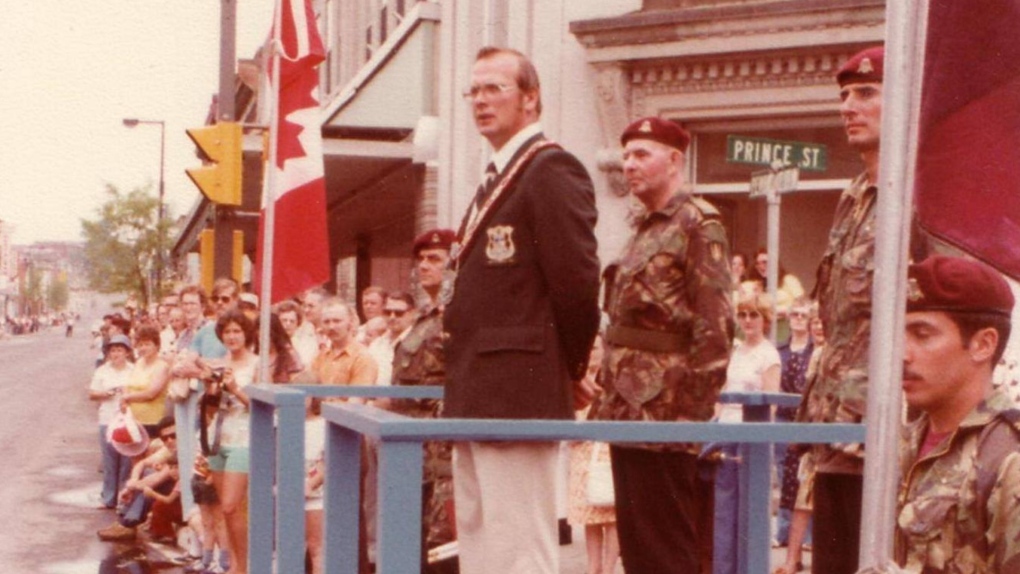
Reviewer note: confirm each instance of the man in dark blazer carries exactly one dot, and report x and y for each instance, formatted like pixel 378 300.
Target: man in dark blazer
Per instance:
pixel 521 321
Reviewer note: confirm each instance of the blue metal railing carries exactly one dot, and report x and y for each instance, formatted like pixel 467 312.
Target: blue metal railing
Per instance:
pixel 277 461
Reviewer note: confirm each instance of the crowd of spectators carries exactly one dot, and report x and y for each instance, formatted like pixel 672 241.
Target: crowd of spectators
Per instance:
pixel 33 323
pixel 195 353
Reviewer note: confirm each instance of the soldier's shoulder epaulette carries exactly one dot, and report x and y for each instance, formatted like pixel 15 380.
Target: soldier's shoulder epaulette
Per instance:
pixel 706 208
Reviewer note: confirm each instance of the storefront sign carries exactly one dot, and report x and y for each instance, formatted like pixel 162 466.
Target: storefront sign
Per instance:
pixel 762 151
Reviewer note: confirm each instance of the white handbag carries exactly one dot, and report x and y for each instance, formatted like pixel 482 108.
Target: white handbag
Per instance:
pixel 599 486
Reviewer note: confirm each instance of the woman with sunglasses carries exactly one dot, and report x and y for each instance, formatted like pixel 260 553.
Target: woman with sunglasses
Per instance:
pixel 754 367
pixel 795 355
pixel 228 432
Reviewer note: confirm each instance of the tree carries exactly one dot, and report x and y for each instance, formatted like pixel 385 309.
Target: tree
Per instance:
pixel 58 294
pixel 122 244
pixel 31 291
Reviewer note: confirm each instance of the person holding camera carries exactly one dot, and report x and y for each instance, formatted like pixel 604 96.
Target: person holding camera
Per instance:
pixel 224 433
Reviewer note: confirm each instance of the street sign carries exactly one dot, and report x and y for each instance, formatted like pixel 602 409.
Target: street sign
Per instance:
pixel 763 151
pixel 771 182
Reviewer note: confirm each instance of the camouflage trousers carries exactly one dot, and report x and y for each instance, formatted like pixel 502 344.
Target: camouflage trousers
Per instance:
pixel 437 506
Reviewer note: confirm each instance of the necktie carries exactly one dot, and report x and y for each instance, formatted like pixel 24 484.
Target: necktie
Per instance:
pixel 486 187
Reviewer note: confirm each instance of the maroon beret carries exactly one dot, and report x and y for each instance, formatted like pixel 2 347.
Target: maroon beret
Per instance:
pixel 434 239
pixel 653 128
pixel 863 67
pixel 942 283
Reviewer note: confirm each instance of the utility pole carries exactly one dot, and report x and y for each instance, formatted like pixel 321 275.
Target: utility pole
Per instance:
pixel 225 112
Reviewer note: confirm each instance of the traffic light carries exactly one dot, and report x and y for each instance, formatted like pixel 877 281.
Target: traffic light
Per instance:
pixel 207 258
pixel 221 143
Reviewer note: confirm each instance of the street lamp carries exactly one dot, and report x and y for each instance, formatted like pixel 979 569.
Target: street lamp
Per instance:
pixel 132 122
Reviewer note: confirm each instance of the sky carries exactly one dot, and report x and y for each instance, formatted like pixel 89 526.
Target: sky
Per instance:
pixel 70 72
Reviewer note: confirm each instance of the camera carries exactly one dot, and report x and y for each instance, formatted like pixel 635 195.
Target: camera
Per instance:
pixel 217 375
pixel 204 492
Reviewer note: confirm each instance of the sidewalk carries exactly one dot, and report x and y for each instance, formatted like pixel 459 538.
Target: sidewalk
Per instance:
pixel 573 559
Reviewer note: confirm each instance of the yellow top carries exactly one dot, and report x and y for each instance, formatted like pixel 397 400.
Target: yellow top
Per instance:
pixel 151 411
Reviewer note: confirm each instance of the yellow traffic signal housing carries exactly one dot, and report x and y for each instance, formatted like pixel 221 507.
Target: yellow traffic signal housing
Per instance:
pixel 221 143
pixel 207 258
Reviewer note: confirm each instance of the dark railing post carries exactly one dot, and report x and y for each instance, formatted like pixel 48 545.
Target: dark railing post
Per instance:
pixel 400 504
pixel 341 500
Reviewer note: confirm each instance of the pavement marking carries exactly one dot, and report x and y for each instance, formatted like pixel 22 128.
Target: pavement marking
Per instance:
pixel 16 341
pixel 77 567
pixel 84 497
pixel 66 471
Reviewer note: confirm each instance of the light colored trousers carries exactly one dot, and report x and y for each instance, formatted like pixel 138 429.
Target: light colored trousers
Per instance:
pixel 505 496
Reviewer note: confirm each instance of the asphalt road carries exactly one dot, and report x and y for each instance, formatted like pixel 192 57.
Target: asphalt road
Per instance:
pixel 49 462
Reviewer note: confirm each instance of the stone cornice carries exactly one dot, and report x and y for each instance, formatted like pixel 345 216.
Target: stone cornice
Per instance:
pixel 733 21
pixel 780 70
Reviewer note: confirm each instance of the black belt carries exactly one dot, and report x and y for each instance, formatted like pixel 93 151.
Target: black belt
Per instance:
pixel 645 340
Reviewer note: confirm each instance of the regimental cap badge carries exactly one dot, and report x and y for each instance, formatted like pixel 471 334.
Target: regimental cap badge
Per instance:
pixel 646 127
pixel 865 67
pixel 914 293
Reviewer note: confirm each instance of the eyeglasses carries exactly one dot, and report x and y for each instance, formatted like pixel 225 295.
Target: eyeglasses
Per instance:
pixel 394 312
pixel 748 315
pixel 487 90
pixel 168 436
pixel 221 299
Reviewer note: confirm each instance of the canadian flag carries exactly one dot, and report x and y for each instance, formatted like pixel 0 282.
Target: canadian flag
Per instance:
pixel 296 187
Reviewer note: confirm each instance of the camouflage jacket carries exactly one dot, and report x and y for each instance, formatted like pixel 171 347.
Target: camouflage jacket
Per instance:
pixel 673 277
pixel 418 360
pixel 959 506
pixel 838 390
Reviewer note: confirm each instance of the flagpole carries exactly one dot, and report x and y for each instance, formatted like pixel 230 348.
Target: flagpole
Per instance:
pixel 269 188
pixel 905 28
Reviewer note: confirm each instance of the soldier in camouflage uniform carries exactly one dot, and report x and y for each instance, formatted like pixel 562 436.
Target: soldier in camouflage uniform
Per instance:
pixel 959 504
pixel 838 391
pixel 667 346
pixel 418 360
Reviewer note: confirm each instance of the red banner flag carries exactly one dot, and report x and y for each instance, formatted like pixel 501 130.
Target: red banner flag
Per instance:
pixel 967 188
pixel 300 241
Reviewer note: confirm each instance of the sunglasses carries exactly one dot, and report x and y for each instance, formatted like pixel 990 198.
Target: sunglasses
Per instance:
pixel 221 299
pixel 748 315
pixel 394 312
